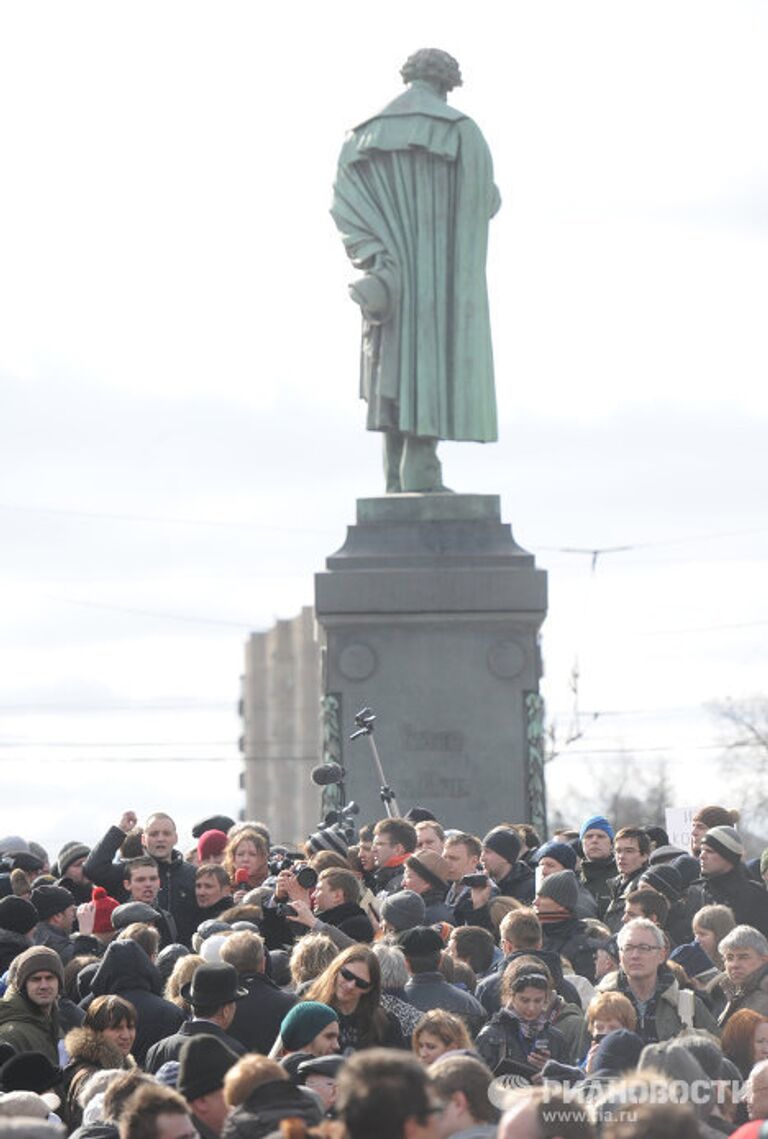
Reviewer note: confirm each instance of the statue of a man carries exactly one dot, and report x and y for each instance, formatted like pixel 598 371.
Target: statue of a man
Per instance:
pixel 413 196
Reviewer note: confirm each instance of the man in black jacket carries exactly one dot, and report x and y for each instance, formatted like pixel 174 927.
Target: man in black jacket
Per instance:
pixel 259 1013
pixel 564 933
pixel 428 988
pixel 393 841
pixel 506 875
pixel 598 865
pixel 177 877
pixel 631 850
pixel 725 880
pixel 501 859
pixel 213 993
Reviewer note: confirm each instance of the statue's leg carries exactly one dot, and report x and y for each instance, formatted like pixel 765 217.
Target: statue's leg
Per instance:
pixel 393 454
pixel 420 469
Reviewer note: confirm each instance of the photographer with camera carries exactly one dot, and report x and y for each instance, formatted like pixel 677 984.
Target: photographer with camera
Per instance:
pixel 334 909
pixel 294 882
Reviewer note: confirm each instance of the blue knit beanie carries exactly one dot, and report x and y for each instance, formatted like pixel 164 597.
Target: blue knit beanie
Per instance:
pixel 596 823
pixel 561 852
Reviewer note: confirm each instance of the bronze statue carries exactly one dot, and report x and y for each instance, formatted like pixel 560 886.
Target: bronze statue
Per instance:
pixel 413 196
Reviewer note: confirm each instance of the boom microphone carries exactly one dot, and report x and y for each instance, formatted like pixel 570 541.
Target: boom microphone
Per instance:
pixel 326 773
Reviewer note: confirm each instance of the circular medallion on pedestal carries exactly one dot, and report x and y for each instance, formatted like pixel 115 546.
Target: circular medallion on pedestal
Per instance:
pixel 506 659
pixel 357 661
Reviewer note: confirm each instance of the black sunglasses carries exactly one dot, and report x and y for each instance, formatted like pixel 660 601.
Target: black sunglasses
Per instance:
pixel 348 975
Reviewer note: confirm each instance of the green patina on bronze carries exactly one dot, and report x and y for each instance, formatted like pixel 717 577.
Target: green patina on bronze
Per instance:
pixel 413 196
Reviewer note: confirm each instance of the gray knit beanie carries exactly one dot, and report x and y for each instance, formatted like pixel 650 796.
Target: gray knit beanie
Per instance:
pixel 403 910
pixel 562 888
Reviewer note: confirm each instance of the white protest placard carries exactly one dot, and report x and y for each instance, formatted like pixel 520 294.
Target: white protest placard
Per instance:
pixel 679 821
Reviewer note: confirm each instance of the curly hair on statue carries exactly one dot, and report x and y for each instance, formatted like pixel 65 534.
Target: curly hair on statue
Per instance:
pixel 433 66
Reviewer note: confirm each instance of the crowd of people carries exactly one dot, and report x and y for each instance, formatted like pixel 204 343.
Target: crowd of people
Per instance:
pixel 404 982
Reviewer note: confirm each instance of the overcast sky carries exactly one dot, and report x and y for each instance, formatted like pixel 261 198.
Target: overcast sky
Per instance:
pixel 180 440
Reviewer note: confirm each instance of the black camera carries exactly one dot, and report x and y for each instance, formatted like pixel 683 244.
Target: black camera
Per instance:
pixel 306 875
pixel 475 881
pixel 284 910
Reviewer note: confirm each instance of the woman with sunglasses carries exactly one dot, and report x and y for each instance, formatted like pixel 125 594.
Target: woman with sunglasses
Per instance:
pixel 519 1039
pixel 352 986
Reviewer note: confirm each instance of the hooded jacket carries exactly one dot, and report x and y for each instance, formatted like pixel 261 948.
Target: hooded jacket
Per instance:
pixel 28 1028
pixel 126 970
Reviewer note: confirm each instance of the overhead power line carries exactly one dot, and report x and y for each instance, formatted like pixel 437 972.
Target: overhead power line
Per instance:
pixel 98 515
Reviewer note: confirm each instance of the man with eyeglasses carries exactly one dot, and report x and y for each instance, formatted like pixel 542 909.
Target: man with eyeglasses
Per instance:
pixel 394 840
pixel 663 1008
pixel 631 850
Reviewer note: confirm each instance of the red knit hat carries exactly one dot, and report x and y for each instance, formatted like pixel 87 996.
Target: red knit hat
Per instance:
pixel 211 845
pixel 104 907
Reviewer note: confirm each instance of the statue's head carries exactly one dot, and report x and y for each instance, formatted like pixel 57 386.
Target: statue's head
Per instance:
pixel 432 66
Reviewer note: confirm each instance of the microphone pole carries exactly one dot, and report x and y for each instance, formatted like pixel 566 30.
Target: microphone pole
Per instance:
pixel 364 720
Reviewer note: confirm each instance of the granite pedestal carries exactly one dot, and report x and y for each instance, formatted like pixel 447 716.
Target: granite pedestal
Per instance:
pixel 429 614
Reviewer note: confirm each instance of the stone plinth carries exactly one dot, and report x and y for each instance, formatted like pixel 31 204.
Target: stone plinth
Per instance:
pixel 430 614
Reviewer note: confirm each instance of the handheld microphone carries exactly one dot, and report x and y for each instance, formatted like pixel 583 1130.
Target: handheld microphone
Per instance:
pixel 241 876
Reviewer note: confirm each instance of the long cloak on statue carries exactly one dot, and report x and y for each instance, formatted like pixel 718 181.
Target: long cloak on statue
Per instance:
pixel 413 196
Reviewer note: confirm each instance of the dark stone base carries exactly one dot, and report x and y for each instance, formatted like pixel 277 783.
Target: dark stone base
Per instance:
pixel 430 614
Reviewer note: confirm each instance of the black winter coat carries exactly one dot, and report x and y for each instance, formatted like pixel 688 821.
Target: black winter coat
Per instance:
pixel 170 1047
pixel 519 883
pixel 436 908
pixel 350 919
pixel 11 945
pixel 747 899
pixel 266 1106
pixel 388 880
pixel 259 1015
pixel 570 939
pixel 596 876
pixel 66 946
pixel 126 970
pixel 177 882
pixel 618 888
pixel 431 990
